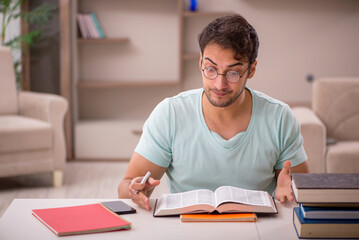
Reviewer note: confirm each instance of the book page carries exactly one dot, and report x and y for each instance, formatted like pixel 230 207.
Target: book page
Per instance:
pixel 185 199
pixel 240 195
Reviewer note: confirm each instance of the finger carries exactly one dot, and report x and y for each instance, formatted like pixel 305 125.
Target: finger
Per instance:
pixel 140 203
pixel 141 199
pixel 290 197
pixel 287 165
pixel 153 182
pixel 282 199
pixel 136 184
pixel 145 200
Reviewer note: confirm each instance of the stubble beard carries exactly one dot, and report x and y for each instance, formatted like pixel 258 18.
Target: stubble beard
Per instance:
pixel 221 104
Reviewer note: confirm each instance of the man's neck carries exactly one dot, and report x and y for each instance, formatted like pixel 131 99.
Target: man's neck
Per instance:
pixel 229 113
pixel 229 121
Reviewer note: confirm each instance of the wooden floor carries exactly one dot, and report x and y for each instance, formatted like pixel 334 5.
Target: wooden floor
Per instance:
pixel 82 179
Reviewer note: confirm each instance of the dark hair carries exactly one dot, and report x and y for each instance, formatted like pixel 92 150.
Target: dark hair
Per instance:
pixel 232 32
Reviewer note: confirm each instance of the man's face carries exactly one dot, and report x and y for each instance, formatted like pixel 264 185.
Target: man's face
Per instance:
pixel 219 91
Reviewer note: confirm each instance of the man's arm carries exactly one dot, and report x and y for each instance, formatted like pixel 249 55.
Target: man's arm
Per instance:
pixel 284 190
pixel 131 182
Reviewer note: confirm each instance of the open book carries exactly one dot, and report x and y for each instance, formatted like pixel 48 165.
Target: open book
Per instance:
pixel 225 199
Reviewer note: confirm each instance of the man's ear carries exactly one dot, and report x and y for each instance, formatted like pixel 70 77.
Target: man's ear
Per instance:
pixel 200 61
pixel 252 70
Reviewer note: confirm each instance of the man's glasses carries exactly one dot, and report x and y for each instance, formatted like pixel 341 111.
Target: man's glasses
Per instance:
pixel 232 76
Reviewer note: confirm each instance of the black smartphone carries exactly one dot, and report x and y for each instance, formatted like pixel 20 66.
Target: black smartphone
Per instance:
pixel 119 207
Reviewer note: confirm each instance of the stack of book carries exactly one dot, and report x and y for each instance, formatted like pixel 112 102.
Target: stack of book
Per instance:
pixel 328 205
pixel 89 26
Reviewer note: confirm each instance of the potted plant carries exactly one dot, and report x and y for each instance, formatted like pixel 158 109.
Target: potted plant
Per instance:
pixel 10 10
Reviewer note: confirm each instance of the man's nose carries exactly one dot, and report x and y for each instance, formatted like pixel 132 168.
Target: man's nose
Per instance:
pixel 220 82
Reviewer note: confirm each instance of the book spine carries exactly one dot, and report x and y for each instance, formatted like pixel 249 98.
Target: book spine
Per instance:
pixel 81 25
pixel 91 27
pixel 97 25
pixel 86 26
pixel 304 220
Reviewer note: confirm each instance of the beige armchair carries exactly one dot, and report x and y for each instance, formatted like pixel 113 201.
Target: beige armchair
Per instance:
pixel 331 128
pixel 31 128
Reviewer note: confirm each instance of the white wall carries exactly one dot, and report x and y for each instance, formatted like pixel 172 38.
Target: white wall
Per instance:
pixel 320 37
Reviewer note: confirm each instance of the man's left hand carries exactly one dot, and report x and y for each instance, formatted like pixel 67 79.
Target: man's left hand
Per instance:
pixel 284 190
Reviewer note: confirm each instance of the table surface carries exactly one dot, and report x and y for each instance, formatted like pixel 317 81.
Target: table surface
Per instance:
pixel 18 223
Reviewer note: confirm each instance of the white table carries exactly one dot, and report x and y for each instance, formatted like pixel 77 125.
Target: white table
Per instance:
pixel 18 223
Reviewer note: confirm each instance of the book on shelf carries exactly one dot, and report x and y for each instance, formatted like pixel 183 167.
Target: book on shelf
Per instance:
pixel 90 218
pixel 229 217
pixel 82 26
pixel 89 26
pixel 324 228
pixel 322 212
pixel 97 25
pixel 326 187
pixel 225 199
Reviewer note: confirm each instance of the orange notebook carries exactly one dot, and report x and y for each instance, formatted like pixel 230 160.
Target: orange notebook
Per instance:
pixel 231 217
pixel 91 218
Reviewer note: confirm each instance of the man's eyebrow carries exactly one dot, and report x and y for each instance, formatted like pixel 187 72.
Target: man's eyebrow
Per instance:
pixel 232 65
pixel 207 58
pixel 236 64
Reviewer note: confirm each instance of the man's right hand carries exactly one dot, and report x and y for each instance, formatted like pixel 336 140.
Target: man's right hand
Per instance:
pixel 139 192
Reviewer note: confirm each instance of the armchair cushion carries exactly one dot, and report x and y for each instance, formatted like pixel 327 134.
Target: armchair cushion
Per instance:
pixel 335 102
pixel 18 133
pixel 343 157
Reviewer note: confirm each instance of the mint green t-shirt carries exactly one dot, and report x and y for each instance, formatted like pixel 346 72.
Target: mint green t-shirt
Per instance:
pixel 176 137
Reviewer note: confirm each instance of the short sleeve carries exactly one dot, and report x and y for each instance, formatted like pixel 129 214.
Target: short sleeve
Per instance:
pixel 290 140
pixel 156 141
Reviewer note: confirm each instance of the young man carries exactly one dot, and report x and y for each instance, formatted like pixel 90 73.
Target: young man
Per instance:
pixel 223 134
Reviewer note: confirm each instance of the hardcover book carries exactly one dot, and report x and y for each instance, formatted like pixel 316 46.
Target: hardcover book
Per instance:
pixel 91 218
pixel 225 199
pixel 97 25
pixel 326 187
pixel 329 212
pixel 324 228
pixel 82 26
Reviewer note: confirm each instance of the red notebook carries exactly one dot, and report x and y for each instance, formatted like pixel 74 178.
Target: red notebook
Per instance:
pixel 82 219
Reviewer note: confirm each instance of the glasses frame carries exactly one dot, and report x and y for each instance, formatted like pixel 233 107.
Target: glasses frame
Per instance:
pixel 225 74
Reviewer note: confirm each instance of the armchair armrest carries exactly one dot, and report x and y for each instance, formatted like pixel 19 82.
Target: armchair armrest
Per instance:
pixel 41 106
pixel 50 108
pixel 314 138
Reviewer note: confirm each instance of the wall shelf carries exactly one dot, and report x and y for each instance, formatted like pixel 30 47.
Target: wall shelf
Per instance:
pixel 103 40
pixel 118 84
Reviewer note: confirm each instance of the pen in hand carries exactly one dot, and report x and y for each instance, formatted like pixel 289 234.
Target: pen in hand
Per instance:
pixel 144 179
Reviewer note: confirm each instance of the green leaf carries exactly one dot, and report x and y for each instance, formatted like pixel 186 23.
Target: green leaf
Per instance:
pixel 32 37
pixel 17 4
pixel 5 4
pixel 14 43
pixel 26 41
pixel 39 15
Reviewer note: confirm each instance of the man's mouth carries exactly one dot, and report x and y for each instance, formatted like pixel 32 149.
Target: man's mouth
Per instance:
pixel 219 93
